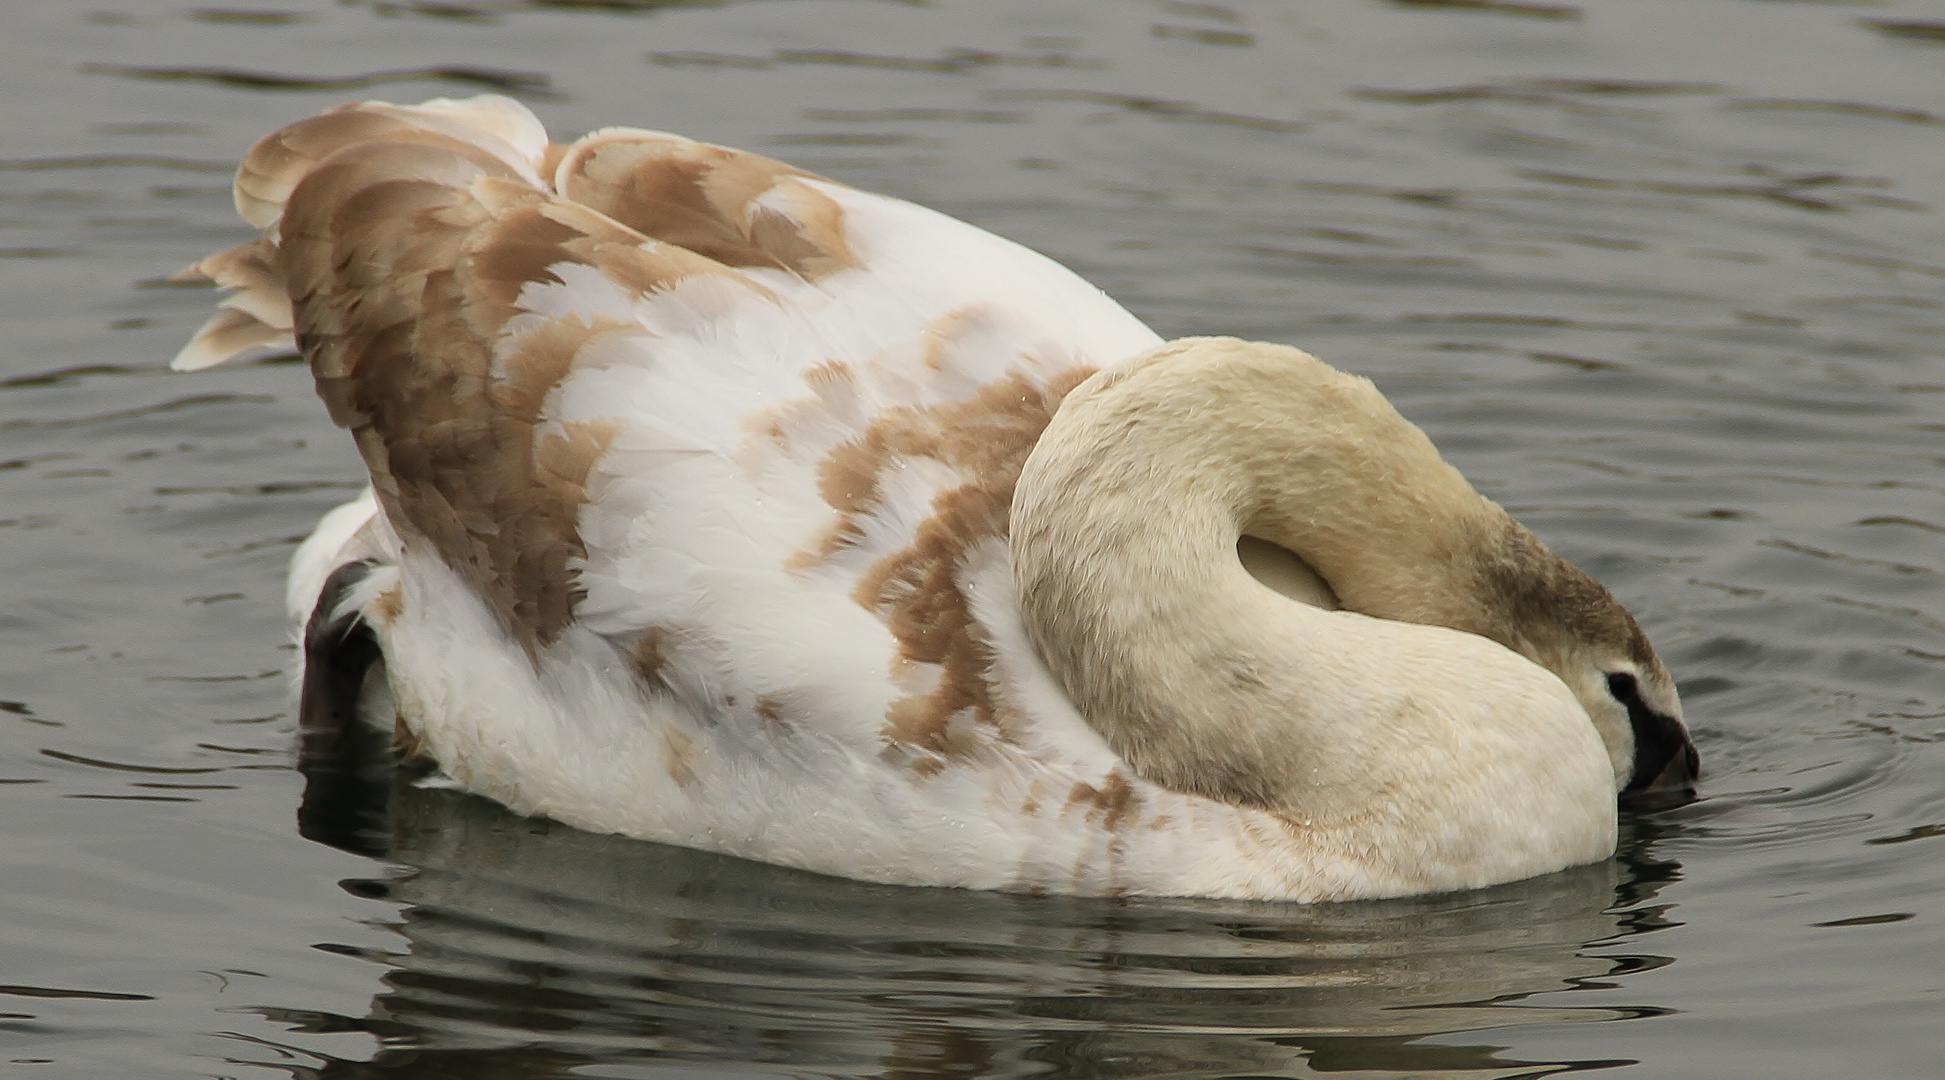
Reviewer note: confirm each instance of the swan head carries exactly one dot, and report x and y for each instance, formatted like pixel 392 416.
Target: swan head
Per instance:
pixel 1664 761
pixel 1551 612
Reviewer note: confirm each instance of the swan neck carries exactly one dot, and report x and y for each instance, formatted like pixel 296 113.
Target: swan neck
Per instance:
pixel 1124 534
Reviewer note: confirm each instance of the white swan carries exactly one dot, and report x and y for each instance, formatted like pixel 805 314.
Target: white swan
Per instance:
pixel 719 504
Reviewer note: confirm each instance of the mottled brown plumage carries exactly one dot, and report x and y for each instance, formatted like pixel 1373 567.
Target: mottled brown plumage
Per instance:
pixel 399 254
pixel 917 590
pixel 716 202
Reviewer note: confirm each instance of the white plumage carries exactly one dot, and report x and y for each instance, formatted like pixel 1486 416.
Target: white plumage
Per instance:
pixel 694 519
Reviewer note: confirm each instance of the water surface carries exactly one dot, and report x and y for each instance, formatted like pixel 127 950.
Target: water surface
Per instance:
pixel 1666 277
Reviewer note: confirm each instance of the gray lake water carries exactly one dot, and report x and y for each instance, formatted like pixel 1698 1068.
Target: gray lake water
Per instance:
pixel 1666 277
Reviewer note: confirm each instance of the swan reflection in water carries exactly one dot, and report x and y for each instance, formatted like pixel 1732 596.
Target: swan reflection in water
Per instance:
pixel 535 950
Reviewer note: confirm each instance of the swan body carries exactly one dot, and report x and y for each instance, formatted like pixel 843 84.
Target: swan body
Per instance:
pixel 718 504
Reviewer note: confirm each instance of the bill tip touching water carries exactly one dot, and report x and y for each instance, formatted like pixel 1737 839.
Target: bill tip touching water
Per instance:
pixel 720 504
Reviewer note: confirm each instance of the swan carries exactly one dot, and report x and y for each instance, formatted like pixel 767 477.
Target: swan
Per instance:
pixel 716 503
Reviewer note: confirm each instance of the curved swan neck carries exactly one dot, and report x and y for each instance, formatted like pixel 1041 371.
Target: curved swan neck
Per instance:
pixel 1149 463
pixel 1124 531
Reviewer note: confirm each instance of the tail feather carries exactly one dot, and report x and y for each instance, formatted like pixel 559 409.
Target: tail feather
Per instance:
pixel 257 315
pixel 500 127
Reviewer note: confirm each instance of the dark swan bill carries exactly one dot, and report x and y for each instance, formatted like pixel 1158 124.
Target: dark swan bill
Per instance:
pixel 1665 762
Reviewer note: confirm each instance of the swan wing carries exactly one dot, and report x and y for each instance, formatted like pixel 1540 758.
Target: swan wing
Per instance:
pixel 754 429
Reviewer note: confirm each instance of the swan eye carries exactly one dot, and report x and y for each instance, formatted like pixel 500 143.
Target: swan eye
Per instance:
pixel 1625 690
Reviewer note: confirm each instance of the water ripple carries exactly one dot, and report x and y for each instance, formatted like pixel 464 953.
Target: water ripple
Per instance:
pixel 1925 30
pixel 1160 108
pixel 1682 313
pixel 528 83
pixel 1549 91
pixel 1844 108
pixel 55 992
pixel 110 161
pixel 190 401
pixel 1528 8
pixel 79 759
pixel 601 941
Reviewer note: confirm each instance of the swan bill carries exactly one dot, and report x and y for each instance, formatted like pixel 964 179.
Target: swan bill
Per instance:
pixel 1666 763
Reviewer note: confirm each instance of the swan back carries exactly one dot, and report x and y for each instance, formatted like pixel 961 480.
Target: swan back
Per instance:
pixel 448 273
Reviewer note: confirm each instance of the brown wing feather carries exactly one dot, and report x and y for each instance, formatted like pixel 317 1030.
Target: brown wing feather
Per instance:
pixel 705 198
pixel 256 316
pixel 252 269
pixel 280 160
pixel 405 260
pixel 403 246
